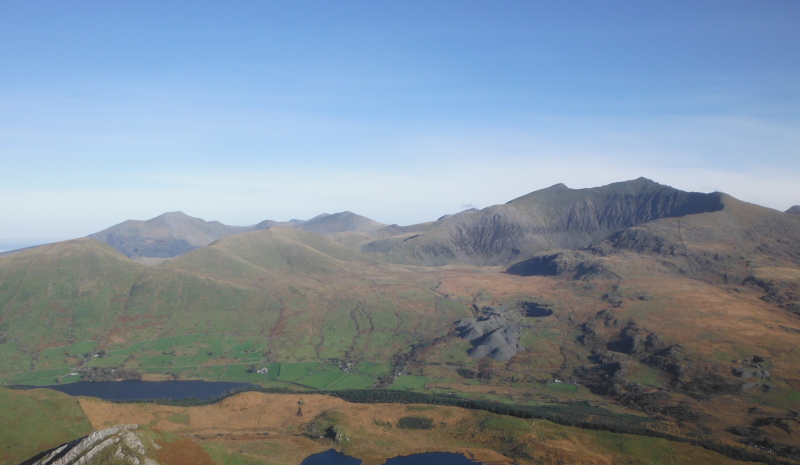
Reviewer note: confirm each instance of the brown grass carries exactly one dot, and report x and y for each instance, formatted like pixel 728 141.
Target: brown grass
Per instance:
pixel 182 452
pixel 266 426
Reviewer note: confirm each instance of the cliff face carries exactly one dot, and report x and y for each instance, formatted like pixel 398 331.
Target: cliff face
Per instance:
pixel 556 217
pixel 740 244
pixel 117 445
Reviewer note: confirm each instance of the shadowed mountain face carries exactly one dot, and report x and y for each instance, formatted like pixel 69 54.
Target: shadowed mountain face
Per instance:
pixel 556 217
pixel 165 236
pixel 742 243
pixel 795 210
pixel 552 218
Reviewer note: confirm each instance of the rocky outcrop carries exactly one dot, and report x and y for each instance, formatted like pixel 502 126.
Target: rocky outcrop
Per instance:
pixel 633 340
pixel 671 360
pixel 471 328
pixel 500 344
pixel 117 445
pixel 491 335
pixel 745 373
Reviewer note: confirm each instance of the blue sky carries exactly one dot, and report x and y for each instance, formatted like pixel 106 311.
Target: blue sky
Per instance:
pixel 400 111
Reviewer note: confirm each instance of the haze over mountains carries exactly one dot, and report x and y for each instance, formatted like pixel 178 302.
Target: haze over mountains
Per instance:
pixel 551 218
pixel 172 234
pixel 681 305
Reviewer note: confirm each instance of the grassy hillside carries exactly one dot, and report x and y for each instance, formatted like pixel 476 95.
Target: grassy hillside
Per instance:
pixel 286 294
pixel 692 319
pixel 59 301
pixel 35 421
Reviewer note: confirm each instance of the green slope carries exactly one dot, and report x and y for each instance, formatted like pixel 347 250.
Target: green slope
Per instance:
pixel 286 294
pixel 53 296
pixel 35 421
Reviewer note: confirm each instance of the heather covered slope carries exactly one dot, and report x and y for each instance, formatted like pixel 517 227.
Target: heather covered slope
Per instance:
pixel 556 217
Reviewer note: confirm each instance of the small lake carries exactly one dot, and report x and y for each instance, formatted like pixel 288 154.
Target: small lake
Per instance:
pixel 148 390
pixel 332 457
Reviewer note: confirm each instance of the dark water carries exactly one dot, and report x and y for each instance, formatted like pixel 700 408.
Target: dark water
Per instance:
pixel 146 390
pixel 431 458
pixel 331 457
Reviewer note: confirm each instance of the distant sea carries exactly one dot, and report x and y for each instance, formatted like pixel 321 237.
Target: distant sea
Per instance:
pixel 8 246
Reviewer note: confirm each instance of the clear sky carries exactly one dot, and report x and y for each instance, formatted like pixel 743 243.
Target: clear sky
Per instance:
pixel 401 111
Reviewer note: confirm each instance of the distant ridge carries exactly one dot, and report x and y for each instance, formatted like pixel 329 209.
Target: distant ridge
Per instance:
pixel 165 236
pixel 550 218
pixel 175 233
pixel 795 210
pixel 341 222
pixel 556 217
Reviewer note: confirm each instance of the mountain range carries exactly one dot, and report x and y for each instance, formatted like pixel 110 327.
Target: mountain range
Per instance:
pixel 556 217
pixel 175 233
pixel 681 306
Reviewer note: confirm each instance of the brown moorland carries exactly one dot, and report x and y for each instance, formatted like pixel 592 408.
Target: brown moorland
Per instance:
pixel 259 426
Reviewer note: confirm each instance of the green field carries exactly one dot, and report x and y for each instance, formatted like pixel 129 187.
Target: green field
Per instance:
pixel 350 380
pixel 322 379
pixel 295 371
pixel 376 369
pixel 238 372
pixel 410 382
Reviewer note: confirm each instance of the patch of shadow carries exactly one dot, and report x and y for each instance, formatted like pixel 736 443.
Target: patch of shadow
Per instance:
pixel 577 264
pixel 535 310
pixel 536 266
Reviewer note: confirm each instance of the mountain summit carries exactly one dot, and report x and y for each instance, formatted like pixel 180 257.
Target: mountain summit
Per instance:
pixel 164 236
pixel 554 217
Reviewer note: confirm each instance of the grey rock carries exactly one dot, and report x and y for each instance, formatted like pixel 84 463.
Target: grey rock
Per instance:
pixel 745 373
pixel 491 336
pixel 129 448
pixel 747 387
pixel 471 329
